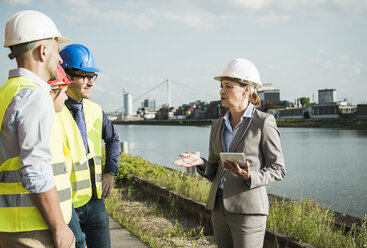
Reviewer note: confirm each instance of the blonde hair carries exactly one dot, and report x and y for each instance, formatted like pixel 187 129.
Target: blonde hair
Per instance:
pixel 255 99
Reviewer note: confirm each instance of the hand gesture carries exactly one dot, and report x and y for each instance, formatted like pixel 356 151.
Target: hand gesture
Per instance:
pixel 189 160
pixel 237 167
pixel 107 184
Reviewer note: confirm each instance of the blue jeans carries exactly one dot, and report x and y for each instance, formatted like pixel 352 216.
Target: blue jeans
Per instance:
pixel 74 225
pixel 94 222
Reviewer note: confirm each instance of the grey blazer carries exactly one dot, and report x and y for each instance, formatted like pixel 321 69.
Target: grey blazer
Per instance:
pixel 258 139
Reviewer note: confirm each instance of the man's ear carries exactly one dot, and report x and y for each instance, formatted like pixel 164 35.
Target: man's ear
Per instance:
pixel 43 51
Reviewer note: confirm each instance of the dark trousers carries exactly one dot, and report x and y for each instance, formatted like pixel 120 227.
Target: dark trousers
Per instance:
pixel 74 225
pixel 94 222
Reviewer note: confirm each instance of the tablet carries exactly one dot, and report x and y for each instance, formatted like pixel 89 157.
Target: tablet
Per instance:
pixel 232 156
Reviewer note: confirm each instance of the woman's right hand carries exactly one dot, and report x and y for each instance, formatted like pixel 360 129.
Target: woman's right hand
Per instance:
pixel 189 160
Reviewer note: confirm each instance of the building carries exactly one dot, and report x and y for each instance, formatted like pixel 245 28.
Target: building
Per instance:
pixel 292 113
pixel 268 95
pixel 346 109
pixel 330 110
pixel 327 96
pixel 144 113
pixel 128 105
pixel 194 110
pixel 150 104
pixel 362 110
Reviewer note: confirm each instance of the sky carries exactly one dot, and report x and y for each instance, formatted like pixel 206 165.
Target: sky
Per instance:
pixel 298 46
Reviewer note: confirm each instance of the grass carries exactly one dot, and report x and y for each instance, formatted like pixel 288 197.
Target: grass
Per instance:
pixel 194 187
pixel 156 224
pixel 305 221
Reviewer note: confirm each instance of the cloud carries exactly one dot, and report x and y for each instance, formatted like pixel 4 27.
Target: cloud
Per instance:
pixel 114 17
pixel 289 6
pixel 194 19
pixel 78 4
pixel 329 63
pixel 198 14
pixel 122 18
pixel 251 4
pixel 103 13
pixel 357 69
pixel 282 10
pixel 17 2
pixel 272 17
pixel 340 65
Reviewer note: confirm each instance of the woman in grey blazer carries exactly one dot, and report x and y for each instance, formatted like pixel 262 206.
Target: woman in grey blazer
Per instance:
pixel 238 197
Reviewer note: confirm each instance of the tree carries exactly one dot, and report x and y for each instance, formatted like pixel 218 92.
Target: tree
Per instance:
pixel 305 101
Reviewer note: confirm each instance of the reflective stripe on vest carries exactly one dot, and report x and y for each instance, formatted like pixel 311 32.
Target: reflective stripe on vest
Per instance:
pixel 9 201
pixel 93 119
pixel 16 176
pixel 17 212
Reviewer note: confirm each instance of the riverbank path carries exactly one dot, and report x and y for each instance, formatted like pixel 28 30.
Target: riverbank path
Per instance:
pixel 123 238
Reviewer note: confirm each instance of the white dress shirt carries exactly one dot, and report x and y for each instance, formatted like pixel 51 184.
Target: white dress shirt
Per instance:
pixel 230 132
pixel 26 131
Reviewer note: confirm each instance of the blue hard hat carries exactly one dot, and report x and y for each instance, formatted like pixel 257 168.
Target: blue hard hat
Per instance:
pixel 78 57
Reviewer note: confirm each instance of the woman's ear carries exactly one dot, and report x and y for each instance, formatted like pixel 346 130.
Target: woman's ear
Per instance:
pixel 247 90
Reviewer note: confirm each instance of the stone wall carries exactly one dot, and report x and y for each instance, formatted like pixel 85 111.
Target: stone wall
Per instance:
pixel 197 211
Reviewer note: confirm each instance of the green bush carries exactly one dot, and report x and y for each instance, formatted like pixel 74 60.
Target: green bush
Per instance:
pixel 194 187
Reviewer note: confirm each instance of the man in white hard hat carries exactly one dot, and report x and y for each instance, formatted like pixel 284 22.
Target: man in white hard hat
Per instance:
pixel 33 209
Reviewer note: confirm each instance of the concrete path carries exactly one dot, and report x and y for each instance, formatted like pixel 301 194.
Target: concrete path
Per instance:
pixel 122 238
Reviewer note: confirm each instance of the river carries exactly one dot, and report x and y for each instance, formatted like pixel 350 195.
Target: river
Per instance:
pixel 329 165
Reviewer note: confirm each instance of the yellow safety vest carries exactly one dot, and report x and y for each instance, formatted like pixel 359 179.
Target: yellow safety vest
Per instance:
pixel 80 173
pixel 17 211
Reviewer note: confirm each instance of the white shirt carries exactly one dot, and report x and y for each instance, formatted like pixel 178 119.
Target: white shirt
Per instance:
pixel 229 133
pixel 26 131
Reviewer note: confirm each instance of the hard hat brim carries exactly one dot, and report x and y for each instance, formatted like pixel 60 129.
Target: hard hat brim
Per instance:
pixel 89 69
pixel 61 39
pixel 218 78
pixel 61 83
pixel 241 81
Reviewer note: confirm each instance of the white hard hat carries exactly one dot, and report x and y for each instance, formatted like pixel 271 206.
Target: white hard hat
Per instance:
pixel 30 25
pixel 244 70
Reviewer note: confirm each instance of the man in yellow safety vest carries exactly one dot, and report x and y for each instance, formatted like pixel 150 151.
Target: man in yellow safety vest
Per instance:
pixel 35 204
pixel 64 125
pixel 89 187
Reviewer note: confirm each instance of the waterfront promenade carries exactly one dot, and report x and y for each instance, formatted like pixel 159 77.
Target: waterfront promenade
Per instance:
pixel 356 123
pixel 121 237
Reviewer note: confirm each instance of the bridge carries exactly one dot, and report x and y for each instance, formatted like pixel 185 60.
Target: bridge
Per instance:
pixel 170 89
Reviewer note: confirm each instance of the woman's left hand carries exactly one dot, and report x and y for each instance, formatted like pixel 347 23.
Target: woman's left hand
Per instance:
pixel 237 167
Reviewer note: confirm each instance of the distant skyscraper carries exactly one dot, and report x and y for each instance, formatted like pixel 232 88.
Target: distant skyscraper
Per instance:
pixel 128 104
pixel 327 96
pixel 150 104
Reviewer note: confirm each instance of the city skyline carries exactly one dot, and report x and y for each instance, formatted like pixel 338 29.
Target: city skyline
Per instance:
pixel 312 99
pixel 298 46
